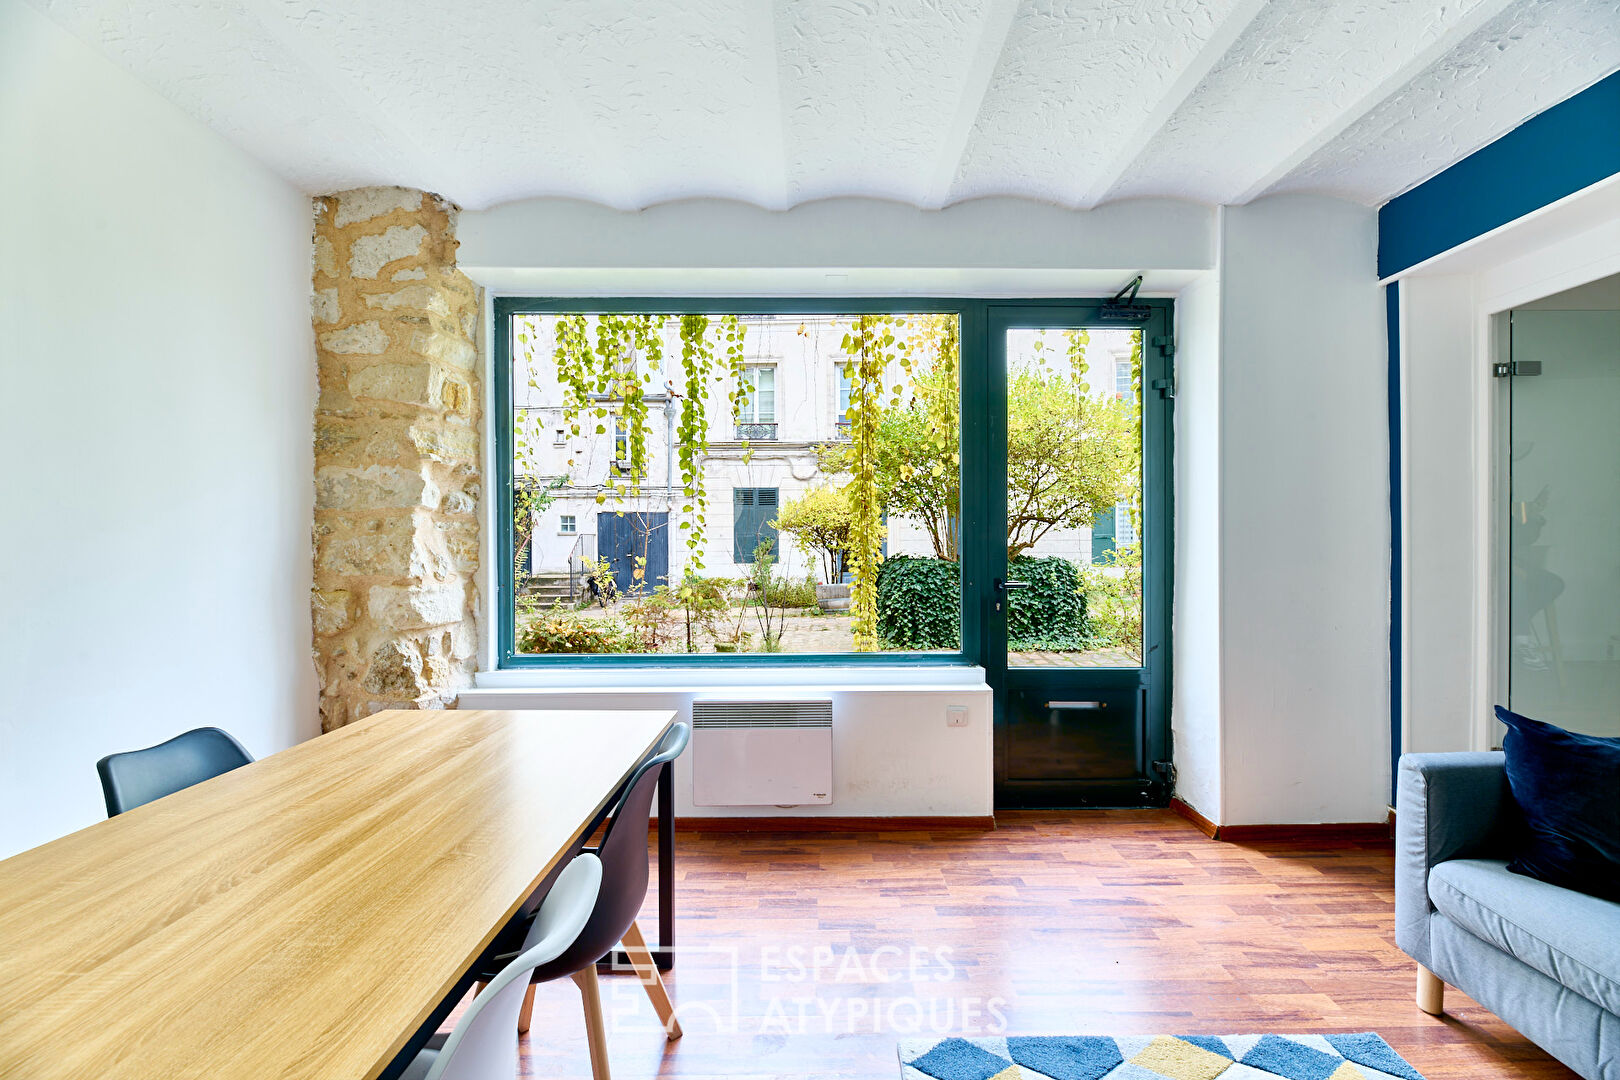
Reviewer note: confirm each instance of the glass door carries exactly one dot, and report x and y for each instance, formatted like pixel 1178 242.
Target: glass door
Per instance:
pixel 1564 532
pixel 1077 620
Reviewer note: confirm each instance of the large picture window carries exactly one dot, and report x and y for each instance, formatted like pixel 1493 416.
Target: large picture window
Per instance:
pixel 720 506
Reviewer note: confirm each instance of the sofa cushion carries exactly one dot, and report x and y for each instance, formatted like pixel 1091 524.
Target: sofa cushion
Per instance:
pixel 1568 786
pixel 1566 935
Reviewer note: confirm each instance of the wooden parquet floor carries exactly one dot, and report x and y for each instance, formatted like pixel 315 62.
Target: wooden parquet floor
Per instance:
pixel 1096 922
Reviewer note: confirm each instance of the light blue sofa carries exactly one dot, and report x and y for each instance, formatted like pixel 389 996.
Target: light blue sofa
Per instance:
pixel 1544 959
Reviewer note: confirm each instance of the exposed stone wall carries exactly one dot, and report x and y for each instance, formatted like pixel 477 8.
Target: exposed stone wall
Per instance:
pixel 396 455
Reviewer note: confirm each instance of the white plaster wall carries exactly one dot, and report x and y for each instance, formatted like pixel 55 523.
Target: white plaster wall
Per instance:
pixel 159 372
pixel 1440 565
pixel 1195 706
pixel 1304 514
pixel 893 755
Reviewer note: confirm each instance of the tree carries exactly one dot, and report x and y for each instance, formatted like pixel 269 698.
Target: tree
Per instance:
pixel 1070 455
pixel 819 522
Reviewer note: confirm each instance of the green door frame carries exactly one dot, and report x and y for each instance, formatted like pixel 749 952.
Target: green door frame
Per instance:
pixel 984 479
pixel 1152 785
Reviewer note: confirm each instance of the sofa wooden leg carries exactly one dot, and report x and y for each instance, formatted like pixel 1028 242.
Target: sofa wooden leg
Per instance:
pixel 1431 992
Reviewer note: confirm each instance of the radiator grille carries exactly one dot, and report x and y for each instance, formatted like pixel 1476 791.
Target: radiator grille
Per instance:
pixel 710 715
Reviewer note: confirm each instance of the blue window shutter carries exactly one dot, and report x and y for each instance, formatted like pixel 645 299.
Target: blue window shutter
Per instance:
pixel 1102 535
pixel 753 510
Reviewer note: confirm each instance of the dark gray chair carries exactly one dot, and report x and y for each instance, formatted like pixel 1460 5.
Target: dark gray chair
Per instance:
pixel 623 853
pixel 136 777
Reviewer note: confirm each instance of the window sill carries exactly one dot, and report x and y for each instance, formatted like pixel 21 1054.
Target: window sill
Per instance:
pixel 720 676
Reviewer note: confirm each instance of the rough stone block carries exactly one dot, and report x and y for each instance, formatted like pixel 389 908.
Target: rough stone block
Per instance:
pixel 445 443
pixel 461 544
pixel 416 607
pixel 372 487
pixel 396 671
pixel 365 339
pixel 367 554
pixel 325 259
pixel 330 609
pixel 323 305
pixel 410 384
pixel 363 204
pixel 456 396
pixel 412 298
pixel 444 348
pixel 371 253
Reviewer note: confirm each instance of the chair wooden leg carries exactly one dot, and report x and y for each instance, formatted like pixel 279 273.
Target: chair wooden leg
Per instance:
pixel 527 1014
pixel 595 1029
pixel 1431 992
pixel 635 947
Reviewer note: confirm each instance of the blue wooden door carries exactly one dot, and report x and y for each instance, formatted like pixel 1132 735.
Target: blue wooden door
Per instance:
pixel 636 546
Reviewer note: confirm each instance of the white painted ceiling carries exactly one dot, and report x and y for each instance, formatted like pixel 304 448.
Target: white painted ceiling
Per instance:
pixel 630 103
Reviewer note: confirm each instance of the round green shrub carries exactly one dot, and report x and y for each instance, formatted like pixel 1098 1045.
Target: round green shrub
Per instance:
pixel 919 603
pixel 1051 613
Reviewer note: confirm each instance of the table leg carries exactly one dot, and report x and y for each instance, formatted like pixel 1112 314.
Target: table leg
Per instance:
pixel 663 953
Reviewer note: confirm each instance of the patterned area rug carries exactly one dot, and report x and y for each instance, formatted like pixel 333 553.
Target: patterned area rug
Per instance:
pixel 1155 1057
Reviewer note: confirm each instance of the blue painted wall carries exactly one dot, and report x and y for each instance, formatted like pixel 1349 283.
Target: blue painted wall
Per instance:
pixel 1572 145
pixel 1392 318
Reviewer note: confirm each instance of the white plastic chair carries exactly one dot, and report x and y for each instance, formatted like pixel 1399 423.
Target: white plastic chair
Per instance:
pixel 484 1044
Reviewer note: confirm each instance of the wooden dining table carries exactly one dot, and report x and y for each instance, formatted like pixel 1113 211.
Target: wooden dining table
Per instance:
pixel 303 916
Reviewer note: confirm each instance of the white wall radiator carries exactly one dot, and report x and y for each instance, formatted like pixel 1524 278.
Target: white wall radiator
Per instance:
pixel 761 753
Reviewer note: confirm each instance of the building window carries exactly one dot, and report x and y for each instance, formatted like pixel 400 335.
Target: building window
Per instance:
pixel 567 524
pixel 753 510
pixel 1122 380
pixel 756 419
pixel 559 437
pixel 621 442
pixel 843 397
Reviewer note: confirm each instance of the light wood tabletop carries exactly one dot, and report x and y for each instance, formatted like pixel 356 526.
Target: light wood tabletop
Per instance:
pixel 303 915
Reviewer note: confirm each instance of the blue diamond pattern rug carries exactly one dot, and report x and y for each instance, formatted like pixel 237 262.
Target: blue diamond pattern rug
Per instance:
pixel 1155 1057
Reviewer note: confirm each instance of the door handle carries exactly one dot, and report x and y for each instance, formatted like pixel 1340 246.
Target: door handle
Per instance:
pixel 1008 586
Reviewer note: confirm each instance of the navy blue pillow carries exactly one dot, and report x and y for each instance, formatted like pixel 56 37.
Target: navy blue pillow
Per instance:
pixel 1568 788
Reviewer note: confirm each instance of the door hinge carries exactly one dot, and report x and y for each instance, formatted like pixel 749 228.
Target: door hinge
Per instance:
pixel 1165 387
pixel 1166 345
pixel 1516 367
pixel 1166 769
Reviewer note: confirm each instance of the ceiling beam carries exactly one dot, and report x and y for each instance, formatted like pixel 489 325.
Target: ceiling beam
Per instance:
pixel 335 85
pixel 1098 188
pixel 1443 43
pixel 997 24
pixel 776 191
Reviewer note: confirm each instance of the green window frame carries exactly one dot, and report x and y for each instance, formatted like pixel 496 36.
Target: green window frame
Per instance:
pixel 983 518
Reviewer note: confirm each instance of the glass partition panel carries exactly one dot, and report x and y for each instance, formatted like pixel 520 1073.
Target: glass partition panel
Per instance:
pixel 1564 534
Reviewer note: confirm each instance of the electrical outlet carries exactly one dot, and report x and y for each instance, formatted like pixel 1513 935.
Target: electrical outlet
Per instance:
pixel 956 716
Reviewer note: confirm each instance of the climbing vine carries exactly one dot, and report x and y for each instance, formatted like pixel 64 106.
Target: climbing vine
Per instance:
pixel 872 346
pixel 605 365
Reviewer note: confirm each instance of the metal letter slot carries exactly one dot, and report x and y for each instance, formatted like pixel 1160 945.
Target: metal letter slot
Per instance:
pixel 1077 704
